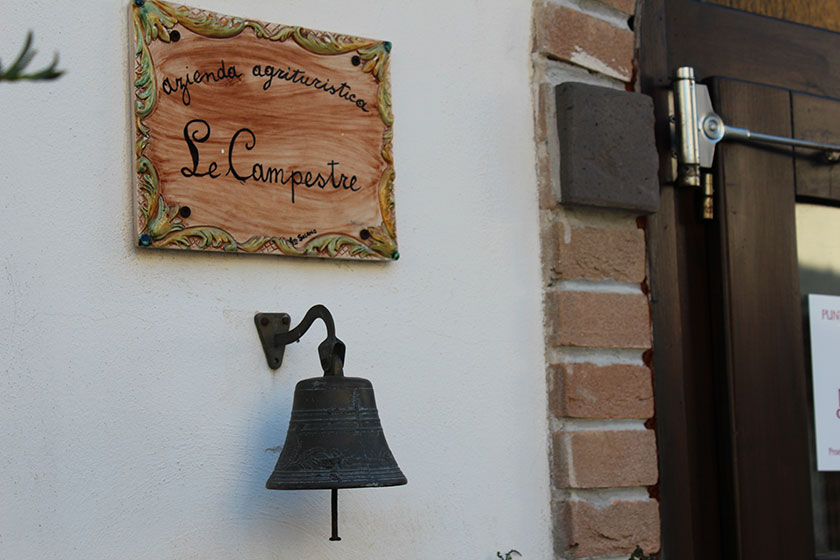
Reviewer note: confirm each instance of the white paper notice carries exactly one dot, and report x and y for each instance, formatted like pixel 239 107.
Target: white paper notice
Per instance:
pixel 824 312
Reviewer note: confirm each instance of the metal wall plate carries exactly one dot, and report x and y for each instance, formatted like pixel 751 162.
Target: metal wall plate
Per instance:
pixel 269 325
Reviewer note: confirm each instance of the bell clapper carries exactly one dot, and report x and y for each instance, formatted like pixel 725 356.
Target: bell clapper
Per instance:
pixel 335 536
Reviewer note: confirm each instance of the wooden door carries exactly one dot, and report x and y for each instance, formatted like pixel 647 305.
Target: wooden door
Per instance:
pixel 732 408
pixel 758 339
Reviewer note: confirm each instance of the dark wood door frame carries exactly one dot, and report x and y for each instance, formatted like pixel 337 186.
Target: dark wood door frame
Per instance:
pixel 704 359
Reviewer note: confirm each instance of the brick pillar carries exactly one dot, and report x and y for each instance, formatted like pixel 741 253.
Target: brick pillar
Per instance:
pixel 598 327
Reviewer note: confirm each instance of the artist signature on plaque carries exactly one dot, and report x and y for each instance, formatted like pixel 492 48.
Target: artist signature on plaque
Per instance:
pixel 294 240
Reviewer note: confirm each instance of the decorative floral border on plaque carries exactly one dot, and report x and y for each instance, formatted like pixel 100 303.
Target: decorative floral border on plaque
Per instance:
pixel 161 224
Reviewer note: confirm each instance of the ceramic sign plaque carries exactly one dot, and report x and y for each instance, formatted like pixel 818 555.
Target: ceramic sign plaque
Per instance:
pixel 254 137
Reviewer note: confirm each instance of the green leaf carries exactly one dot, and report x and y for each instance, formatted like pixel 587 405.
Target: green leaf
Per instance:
pixel 16 71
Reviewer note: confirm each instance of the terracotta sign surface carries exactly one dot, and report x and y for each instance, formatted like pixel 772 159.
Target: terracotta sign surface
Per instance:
pixel 260 138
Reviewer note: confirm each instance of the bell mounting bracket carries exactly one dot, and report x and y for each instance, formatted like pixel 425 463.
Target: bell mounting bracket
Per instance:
pixel 275 335
pixel 268 325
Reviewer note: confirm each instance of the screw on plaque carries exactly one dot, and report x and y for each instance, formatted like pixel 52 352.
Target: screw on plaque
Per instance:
pixel 175 35
pixel 269 325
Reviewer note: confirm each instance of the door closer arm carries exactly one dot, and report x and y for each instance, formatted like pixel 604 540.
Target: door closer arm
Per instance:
pixel 698 129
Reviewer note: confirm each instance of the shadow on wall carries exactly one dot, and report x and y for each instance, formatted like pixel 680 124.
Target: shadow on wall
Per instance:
pixel 288 514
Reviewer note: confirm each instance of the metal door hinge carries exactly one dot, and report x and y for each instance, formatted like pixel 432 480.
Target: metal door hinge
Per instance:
pixel 696 129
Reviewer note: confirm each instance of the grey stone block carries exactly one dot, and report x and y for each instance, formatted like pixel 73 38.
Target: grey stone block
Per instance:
pixel 608 154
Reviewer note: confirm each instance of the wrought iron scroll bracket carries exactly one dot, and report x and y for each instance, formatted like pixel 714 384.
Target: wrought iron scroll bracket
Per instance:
pixel 275 335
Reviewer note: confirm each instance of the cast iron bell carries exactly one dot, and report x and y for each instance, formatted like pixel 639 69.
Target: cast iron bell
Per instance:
pixel 335 439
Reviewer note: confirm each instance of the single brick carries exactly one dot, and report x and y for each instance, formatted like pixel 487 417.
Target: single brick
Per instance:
pixel 546 169
pixel 557 389
pixel 625 6
pixel 567 34
pixel 614 530
pixel 606 459
pixel 599 254
pixel 590 391
pixel 561 518
pixel 560 464
pixel 546 117
pixel 608 320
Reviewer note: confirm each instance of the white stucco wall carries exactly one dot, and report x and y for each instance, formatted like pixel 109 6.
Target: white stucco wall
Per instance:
pixel 136 409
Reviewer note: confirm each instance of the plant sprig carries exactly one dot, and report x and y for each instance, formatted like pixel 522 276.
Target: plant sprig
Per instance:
pixel 16 71
pixel 639 554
